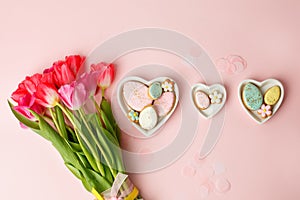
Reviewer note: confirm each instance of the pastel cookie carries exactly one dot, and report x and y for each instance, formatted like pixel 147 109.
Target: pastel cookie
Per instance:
pixel 168 85
pixel 148 118
pixel 136 95
pixel 155 90
pixel 165 103
pixel 202 100
pixel 215 97
pixel 272 95
pixel 265 111
pixel 133 116
pixel 252 96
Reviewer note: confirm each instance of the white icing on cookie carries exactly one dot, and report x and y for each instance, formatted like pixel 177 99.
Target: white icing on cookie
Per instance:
pixel 148 118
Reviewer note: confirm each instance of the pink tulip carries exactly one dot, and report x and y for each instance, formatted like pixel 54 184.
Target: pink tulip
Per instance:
pixel 46 95
pixel 89 80
pixel 24 111
pixel 27 103
pixel 106 74
pixel 75 95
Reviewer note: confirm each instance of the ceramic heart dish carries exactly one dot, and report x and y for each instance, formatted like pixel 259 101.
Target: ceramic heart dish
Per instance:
pixel 261 100
pixel 208 99
pixel 148 104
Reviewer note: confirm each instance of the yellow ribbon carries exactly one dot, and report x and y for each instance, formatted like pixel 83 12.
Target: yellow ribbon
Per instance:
pixel 96 194
pixel 133 194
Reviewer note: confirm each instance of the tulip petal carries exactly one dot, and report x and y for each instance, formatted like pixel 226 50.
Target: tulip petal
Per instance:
pixel 46 95
pixel 79 96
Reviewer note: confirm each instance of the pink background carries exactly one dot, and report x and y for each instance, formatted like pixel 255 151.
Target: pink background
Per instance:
pixel 262 161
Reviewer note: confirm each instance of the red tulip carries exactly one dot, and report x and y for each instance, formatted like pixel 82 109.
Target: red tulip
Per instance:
pixel 106 74
pixel 65 72
pixel 47 77
pixel 27 103
pixel 27 86
pixel 46 95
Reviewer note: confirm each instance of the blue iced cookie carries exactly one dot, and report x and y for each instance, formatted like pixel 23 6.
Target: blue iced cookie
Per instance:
pixel 155 90
pixel 252 96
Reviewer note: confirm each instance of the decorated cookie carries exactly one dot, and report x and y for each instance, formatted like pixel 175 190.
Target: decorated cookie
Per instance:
pixel 208 99
pixel 136 95
pixel 265 111
pixel 133 116
pixel 252 96
pixel 148 118
pixel 168 85
pixel 164 104
pixel 272 95
pixel 261 100
pixel 215 97
pixel 148 104
pixel 155 90
pixel 202 100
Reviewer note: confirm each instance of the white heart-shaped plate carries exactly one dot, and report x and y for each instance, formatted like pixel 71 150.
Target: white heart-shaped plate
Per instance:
pixel 213 109
pixel 263 86
pixel 125 108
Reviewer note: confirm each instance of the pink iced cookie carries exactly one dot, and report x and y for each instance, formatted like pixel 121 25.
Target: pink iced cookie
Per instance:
pixel 136 95
pixel 165 103
pixel 202 100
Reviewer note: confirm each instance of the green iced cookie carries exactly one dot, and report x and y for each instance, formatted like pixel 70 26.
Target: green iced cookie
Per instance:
pixel 155 90
pixel 252 96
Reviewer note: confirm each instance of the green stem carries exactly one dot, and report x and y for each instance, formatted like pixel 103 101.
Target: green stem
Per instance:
pixel 103 92
pixel 55 121
pixel 97 143
pixel 86 141
pixel 67 113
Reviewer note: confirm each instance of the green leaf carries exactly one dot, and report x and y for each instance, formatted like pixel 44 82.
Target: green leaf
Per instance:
pixel 105 106
pixel 74 170
pixel 75 147
pixel 88 155
pixel 86 185
pixel 108 174
pixel 61 122
pixel 107 124
pixel 71 134
pixel 24 120
pixel 84 160
pixel 110 137
pixel 110 149
pixel 63 147
pixel 102 185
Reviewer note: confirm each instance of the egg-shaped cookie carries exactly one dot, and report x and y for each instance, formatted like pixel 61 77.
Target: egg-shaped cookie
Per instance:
pixel 202 100
pixel 165 103
pixel 252 96
pixel 155 90
pixel 136 95
pixel 272 95
pixel 148 118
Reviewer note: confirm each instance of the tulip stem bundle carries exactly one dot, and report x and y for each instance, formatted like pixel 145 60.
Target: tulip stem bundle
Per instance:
pixel 64 110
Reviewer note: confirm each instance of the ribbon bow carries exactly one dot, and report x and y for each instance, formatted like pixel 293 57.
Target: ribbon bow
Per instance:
pixel 129 193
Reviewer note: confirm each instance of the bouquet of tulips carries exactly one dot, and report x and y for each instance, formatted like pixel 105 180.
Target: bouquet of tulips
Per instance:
pixel 67 107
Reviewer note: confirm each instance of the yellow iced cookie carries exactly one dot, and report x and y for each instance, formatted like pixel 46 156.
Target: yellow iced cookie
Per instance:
pixel 272 95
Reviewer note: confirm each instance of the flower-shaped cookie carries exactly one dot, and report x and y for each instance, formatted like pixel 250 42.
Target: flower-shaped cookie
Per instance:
pixel 215 97
pixel 265 111
pixel 168 85
pixel 133 116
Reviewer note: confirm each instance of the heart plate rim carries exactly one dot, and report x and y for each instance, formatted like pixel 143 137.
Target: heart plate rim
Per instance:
pixel 200 86
pixel 124 107
pixel 260 85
